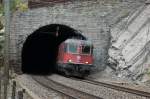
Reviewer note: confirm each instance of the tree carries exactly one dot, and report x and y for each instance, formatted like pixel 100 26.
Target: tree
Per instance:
pixel 19 5
pixel 15 6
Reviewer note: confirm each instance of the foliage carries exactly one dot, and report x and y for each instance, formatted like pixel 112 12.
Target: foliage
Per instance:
pixel 147 71
pixel 15 5
pixel 19 5
pixel 1 9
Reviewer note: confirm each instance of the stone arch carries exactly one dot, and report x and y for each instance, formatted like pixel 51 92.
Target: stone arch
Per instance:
pixel 39 51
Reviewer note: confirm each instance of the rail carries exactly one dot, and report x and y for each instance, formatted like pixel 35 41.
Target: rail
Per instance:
pixel 62 89
pixel 119 87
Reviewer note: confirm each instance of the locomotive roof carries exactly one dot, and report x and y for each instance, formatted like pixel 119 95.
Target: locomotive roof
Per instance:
pixel 78 41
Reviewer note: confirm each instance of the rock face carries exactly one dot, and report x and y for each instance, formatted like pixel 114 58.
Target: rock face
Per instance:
pixel 130 49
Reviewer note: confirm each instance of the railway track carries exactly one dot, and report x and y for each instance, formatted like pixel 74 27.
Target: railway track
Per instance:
pixel 118 87
pixel 64 90
pixel 78 94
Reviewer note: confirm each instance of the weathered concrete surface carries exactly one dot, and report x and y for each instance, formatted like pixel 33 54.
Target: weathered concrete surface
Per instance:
pixel 130 51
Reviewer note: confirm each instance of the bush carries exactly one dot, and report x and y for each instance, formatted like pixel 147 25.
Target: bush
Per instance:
pixel 19 5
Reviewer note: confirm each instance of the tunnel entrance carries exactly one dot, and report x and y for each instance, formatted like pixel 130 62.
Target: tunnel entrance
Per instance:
pixel 40 49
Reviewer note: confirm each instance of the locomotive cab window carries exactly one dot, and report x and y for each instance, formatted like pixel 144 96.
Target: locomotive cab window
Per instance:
pixel 73 48
pixel 86 49
pixel 65 47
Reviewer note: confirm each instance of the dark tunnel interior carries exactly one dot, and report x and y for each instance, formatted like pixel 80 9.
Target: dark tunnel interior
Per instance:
pixel 40 49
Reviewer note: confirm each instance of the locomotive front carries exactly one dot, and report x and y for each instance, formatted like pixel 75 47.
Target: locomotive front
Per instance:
pixel 75 57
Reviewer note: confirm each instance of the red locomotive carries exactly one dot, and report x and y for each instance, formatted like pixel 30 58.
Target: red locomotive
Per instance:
pixel 75 57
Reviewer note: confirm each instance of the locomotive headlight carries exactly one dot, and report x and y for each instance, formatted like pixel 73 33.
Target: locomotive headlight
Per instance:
pixel 86 62
pixel 69 60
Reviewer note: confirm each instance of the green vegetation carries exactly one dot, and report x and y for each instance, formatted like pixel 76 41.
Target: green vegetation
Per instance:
pixel 148 72
pixel 19 5
pixel 1 9
pixel 16 5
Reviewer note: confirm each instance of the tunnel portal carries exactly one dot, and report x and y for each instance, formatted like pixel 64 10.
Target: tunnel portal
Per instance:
pixel 40 49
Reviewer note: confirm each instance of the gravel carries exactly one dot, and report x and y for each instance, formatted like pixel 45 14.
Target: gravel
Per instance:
pixel 36 90
pixel 100 91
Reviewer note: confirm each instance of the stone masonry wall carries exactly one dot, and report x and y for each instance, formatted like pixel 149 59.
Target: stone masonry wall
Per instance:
pixel 78 15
